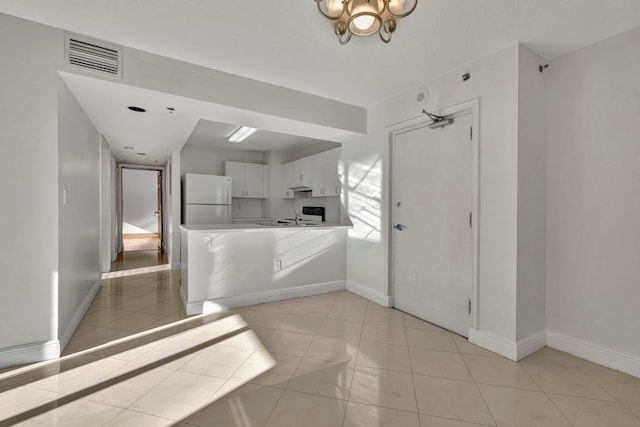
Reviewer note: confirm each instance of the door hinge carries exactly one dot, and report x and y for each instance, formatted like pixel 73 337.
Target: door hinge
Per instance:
pixel 471 133
pixel 470 219
pixel 469 306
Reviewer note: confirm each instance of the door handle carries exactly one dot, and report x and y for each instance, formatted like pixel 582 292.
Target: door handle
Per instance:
pixel 399 227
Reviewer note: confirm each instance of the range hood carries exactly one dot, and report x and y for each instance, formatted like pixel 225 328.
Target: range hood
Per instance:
pixel 300 188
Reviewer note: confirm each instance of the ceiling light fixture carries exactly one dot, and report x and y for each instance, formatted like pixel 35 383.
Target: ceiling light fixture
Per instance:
pixel 242 133
pixel 365 17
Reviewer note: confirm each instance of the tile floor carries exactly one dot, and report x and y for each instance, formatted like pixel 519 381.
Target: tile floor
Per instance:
pixel 327 360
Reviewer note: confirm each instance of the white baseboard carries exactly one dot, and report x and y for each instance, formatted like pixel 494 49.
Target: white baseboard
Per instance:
pixel 66 335
pixel 531 344
pixel 214 305
pixel 498 345
pixel 593 353
pixel 29 353
pixel 509 349
pixel 370 294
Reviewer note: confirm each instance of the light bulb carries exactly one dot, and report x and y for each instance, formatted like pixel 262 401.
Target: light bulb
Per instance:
pixel 363 22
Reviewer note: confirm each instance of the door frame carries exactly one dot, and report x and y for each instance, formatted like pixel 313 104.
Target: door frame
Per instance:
pixel 472 106
pixel 165 208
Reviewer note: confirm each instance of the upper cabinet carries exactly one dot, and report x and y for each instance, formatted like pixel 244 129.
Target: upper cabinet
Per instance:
pixel 326 181
pixel 318 173
pixel 287 180
pixel 249 180
pixel 303 172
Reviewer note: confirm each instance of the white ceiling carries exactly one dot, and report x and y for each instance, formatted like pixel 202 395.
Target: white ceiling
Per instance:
pixel 286 42
pixel 157 131
pixel 208 133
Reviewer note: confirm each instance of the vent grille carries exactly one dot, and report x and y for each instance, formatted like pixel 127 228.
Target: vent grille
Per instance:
pixel 90 55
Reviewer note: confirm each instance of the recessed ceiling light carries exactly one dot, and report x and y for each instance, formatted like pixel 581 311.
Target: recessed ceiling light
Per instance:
pixel 136 109
pixel 242 133
pixel 141 154
pixel 129 148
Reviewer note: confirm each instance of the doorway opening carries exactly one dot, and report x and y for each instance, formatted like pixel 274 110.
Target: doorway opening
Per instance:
pixel 141 218
pixel 434 196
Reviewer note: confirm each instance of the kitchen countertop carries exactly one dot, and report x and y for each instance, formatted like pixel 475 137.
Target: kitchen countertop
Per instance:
pixel 261 227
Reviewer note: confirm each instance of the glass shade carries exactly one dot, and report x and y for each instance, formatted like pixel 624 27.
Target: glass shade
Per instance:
pixel 365 18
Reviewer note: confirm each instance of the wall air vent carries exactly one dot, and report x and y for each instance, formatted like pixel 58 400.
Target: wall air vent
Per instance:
pixel 97 56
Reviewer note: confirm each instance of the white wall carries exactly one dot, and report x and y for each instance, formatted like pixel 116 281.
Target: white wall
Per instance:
pixel 29 193
pixel 107 211
pixel 174 202
pixel 139 201
pixel 275 206
pixel 532 193
pixel 366 164
pixel 593 202
pixel 79 148
pixel 251 102
pixel 210 161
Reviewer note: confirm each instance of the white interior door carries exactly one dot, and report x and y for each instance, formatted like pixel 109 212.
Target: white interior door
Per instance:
pixel 432 235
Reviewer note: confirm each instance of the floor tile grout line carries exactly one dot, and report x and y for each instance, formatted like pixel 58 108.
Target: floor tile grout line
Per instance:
pixel 344 416
pixel 413 378
pixel 479 392
pixel 570 395
pixel 586 372
pixel 285 388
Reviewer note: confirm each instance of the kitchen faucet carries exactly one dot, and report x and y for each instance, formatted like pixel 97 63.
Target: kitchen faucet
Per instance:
pixel 297 217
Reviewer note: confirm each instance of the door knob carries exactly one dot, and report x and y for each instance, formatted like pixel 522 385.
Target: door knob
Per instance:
pixel 399 227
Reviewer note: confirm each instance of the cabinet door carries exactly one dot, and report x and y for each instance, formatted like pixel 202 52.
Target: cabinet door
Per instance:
pixel 317 187
pixel 287 180
pixel 303 172
pixel 236 171
pixel 330 173
pixel 254 180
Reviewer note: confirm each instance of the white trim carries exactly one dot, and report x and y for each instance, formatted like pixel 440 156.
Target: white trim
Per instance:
pixel 593 353
pixel 370 294
pixel 422 120
pixel 531 344
pixel 260 297
pixel 498 345
pixel 29 353
pixel 66 335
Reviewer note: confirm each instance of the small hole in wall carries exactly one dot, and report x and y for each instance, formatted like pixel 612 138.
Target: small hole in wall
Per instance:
pixel 422 96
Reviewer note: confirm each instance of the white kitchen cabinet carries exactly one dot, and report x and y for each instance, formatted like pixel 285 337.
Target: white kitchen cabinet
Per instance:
pixel 317 188
pixel 332 183
pixel 287 180
pixel 236 171
pixel 303 172
pixel 248 180
pixel 325 174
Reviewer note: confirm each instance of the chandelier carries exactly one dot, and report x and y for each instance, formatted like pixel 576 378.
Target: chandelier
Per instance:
pixel 365 17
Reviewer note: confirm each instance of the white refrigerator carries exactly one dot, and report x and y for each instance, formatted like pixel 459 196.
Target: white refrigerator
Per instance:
pixel 206 199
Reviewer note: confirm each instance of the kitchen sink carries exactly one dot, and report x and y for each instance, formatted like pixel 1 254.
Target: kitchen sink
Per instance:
pixel 286 223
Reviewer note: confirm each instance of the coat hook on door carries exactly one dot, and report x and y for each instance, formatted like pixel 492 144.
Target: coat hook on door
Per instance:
pixel 541 68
